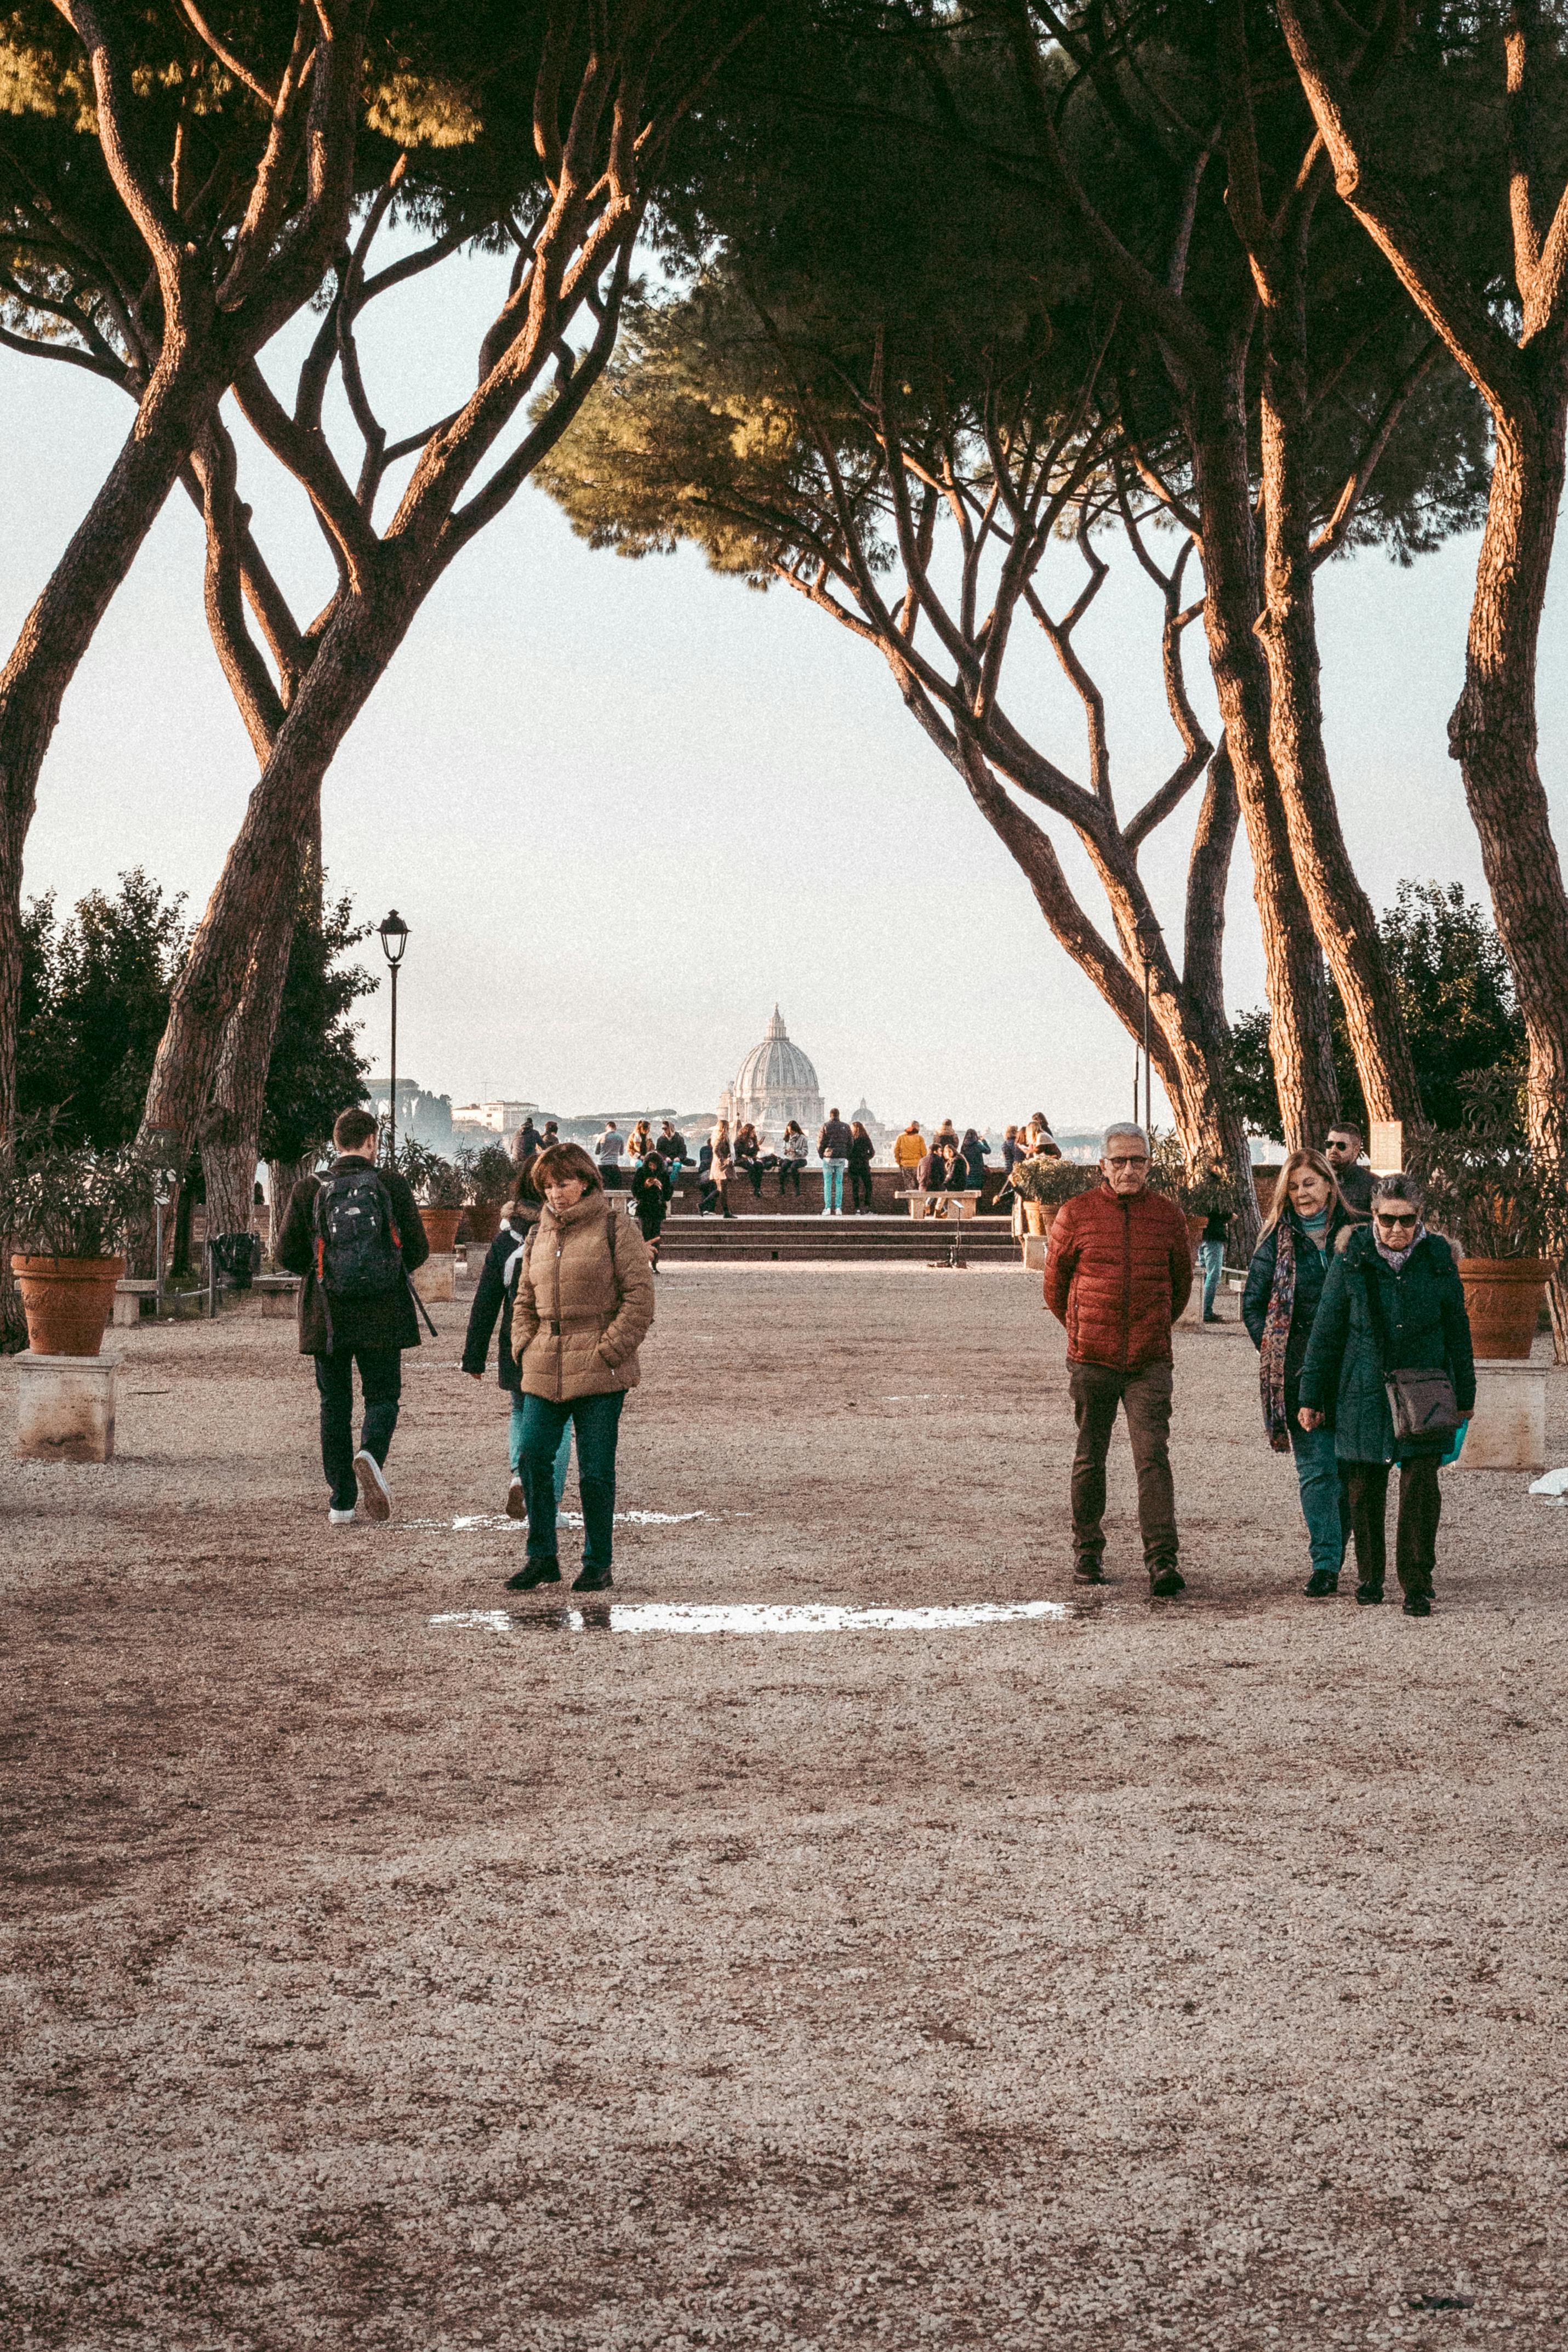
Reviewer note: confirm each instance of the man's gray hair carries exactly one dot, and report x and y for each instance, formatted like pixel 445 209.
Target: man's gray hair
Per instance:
pixel 1111 1133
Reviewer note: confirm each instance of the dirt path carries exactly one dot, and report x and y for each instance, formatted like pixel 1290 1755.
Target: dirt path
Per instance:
pixel 1178 1974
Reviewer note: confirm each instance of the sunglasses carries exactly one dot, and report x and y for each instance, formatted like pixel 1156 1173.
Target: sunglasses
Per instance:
pixel 1394 1221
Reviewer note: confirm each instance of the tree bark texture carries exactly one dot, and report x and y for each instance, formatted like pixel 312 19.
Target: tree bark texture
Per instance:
pixel 1341 911
pixel 1299 1039
pixel 1492 734
pixel 231 1124
pixel 280 817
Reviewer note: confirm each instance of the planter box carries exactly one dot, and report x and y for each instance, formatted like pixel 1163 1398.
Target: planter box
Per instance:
pixel 1509 1430
pixel 65 1408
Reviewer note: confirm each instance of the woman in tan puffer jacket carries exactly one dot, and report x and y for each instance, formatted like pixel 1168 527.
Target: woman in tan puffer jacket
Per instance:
pixel 584 1304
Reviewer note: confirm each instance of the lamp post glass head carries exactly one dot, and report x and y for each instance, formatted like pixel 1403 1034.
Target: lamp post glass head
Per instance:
pixel 1148 935
pixel 393 937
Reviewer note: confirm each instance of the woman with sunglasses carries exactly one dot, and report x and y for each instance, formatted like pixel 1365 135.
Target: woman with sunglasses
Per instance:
pixel 1393 1300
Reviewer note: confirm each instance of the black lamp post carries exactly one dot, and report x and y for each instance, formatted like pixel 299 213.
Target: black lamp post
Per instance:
pixel 394 938
pixel 1148 935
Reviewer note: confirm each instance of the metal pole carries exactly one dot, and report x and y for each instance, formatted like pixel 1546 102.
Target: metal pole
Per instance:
pixel 391 1124
pixel 157 1254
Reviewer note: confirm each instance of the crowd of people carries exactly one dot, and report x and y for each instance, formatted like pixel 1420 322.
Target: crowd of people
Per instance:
pixel 1356 1310
pixel 654 1166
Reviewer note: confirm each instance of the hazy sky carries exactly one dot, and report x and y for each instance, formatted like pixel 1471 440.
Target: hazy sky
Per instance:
pixel 624 807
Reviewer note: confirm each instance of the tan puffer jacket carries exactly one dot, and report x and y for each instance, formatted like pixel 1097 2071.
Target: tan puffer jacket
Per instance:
pixel 584 1303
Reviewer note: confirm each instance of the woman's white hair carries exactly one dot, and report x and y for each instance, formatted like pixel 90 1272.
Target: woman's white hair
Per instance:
pixel 1125 1128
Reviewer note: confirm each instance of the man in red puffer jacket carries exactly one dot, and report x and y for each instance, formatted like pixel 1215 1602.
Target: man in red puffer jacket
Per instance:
pixel 1118 1273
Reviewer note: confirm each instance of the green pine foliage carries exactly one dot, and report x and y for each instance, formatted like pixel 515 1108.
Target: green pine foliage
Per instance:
pixel 317 1067
pixel 95 997
pixel 1455 993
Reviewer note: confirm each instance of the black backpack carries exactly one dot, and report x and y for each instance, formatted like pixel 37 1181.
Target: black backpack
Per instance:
pixel 358 1251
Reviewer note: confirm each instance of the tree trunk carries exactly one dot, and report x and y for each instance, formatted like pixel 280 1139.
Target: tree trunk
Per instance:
pixel 231 1124
pixel 1192 1069
pixel 1208 870
pixel 280 820
pixel 1492 735
pixel 282 1175
pixel 1299 1033
pixel 59 629
pixel 1342 913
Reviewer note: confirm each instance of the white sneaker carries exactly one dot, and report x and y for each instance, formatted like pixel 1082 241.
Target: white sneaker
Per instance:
pixel 336 1518
pixel 516 1506
pixel 827 1212
pixel 374 1493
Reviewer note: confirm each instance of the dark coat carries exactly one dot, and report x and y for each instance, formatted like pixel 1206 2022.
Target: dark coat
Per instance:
pixel 833 1138
pixel 1355 1188
pixel 863 1151
pixel 974 1159
pixel 1312 1273
pixel 389 1322
pixel 1426 1326
pixel 1118 1273
pixel 936 1178
pixel 494 1297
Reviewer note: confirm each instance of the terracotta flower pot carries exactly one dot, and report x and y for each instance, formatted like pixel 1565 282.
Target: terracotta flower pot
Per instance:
pixel 482 1223
pixel 1503 1297
pixel 1039 1216
pixel 440 1227
pixel 68 1302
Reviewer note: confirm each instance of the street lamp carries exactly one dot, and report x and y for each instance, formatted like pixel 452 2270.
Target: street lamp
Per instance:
pixel 394 938
pixel 1147 933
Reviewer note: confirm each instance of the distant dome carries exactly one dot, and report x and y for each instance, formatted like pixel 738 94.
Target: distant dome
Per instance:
pixel 774 1068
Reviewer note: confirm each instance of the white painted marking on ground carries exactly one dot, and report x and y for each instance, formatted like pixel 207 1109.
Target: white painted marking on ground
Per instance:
pixel 762 1617
pixel 468 1522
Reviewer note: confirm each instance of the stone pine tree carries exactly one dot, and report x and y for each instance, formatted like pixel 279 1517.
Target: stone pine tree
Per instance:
pixel 607 92
pixel 1174 142
pixel 895 425
pixel 1502 311
pixel 173 184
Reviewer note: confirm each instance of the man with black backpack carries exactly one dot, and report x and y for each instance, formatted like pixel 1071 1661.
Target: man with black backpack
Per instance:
pixel 355 1234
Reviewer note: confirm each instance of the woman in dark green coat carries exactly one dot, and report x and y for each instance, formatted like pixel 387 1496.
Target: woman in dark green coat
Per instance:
pixel 1423 1327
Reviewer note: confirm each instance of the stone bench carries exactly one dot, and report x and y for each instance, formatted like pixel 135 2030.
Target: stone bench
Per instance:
pixel 955 1206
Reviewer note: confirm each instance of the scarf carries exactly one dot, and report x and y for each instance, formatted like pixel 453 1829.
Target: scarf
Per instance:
pixel 1317 1229
pixel 1396 1258
pixel 1276 1335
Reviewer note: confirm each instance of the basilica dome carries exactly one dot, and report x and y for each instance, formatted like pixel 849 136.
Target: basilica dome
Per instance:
pixel 775 1083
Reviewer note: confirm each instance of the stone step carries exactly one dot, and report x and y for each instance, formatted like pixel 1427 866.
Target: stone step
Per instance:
pixel 900 1240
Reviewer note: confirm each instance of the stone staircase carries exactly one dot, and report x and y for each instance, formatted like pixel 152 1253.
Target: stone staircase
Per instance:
pixel 890 1241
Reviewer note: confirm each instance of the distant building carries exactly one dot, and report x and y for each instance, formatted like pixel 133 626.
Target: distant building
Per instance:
pixel 774 1084
pixel 488 1122
pixel 881 1136
pixel 423 1117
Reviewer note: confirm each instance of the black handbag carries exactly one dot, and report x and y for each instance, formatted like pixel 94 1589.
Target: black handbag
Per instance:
pixel 1421 1398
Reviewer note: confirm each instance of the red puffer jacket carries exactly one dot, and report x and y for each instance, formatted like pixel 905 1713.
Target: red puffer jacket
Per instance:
pixel 1118 1273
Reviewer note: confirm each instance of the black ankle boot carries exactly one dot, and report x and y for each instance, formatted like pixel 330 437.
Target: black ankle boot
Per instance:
pixel 1320 1584
pixel 536 1572
pixel 1369 1596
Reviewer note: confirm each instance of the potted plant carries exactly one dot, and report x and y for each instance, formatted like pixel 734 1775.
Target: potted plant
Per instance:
pixel 1486 1194
pixel 1043 1184
pixel 492 1180
pixel 439 1188
pixel 69 1212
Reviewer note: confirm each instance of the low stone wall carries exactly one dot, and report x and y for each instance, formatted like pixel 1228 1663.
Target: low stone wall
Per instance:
pixel 888 1186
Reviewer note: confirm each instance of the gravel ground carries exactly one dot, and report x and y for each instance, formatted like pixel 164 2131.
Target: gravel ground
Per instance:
pixel 1183 1973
